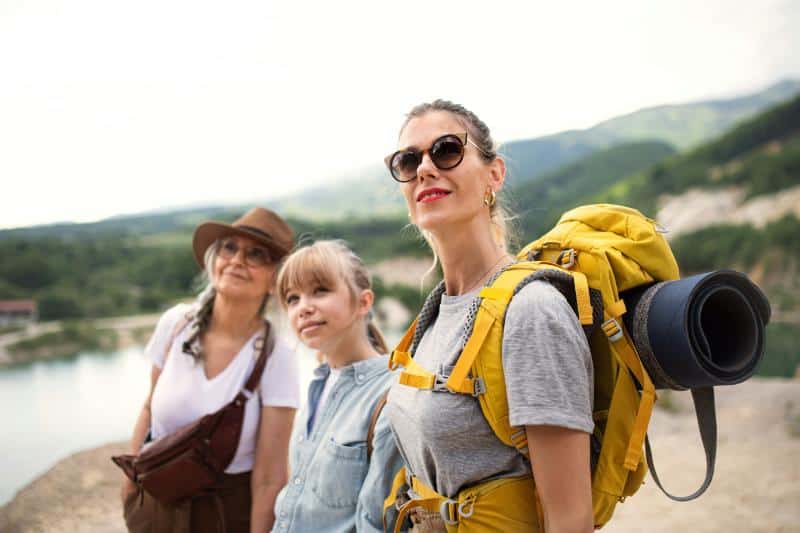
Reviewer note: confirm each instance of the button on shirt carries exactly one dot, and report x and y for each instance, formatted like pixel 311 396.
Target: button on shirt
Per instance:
pixel 333 487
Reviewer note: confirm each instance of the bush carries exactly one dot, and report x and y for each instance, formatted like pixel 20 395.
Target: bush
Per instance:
pixel 60 303
pixel 782 356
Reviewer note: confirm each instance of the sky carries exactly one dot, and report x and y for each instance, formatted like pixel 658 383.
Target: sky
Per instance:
pixel 110 107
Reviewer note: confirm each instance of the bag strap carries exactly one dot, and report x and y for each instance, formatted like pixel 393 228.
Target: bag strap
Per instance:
pixel 373 421
pixel 267 346
pixel 180 325
pixel 707 422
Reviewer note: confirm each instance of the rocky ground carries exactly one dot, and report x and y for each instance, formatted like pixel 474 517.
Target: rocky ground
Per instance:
pixel 756 487
pixel 80 493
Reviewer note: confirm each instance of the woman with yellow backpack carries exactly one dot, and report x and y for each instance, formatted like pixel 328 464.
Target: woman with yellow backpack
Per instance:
pixel 459 475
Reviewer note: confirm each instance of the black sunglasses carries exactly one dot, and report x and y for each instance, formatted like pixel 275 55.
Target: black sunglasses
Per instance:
pixel 254 256
pixel 446 152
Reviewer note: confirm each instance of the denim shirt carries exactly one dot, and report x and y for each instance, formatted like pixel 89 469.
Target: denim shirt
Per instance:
pixel 332 486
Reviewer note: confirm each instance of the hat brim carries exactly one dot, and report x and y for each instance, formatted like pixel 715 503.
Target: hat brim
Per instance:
pixel 208 232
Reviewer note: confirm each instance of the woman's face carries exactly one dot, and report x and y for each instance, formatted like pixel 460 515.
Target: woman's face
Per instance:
pixel 438 198
pixel 240 271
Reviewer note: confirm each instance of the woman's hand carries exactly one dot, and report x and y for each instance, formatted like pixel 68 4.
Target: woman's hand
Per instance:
pixel 562 472
pixel 140 430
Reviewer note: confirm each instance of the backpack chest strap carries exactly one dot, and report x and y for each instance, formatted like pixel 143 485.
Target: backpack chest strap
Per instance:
pixel 414 375
pixel 459 381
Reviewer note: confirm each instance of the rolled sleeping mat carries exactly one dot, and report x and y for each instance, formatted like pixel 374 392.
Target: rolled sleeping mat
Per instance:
pixel 701 331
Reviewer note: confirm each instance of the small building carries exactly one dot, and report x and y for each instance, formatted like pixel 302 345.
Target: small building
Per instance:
pixel 18 312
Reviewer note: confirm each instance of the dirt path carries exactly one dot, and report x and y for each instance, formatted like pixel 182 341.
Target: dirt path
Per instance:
pixel 756 484
pixel 756 487
pixel 79 494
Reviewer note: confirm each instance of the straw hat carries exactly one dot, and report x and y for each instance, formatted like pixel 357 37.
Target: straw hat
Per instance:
pixel 259 224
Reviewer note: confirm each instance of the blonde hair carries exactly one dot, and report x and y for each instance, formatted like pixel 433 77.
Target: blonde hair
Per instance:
pixel 500 215
pixel 327 263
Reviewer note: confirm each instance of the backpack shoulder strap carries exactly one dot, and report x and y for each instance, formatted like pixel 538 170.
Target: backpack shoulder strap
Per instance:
pixel 494 302
pixel 373 421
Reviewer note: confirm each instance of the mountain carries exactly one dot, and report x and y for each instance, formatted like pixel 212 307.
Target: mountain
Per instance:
pixel 539 203
pixel 136 225
pixel 687 125
pixel 737 197
pixel 366 192
pixel 760 155
pixel 370 190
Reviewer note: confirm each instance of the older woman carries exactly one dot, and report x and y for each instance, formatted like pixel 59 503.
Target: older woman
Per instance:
pixel 202 355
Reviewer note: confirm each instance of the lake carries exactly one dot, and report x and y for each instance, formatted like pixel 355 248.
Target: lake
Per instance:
pixel 51 409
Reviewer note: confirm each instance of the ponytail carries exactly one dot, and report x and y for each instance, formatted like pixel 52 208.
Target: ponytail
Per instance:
pixel 375 336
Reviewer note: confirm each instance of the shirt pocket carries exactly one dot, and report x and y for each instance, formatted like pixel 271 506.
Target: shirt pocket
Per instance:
pixel 340 472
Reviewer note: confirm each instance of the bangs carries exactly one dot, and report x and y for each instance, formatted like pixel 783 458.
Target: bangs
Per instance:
pixel 315 265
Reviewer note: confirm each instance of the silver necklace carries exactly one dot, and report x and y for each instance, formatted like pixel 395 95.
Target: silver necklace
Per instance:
pixel 504 256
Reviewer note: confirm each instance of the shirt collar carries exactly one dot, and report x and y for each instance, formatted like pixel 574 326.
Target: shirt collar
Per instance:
pixel 360 371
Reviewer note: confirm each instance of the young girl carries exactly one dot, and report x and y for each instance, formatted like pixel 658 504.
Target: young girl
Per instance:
pixel 335 485
pixel 450 174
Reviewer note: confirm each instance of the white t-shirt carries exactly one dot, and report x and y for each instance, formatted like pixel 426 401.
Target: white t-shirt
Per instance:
pixel 333 377
pixel 183 393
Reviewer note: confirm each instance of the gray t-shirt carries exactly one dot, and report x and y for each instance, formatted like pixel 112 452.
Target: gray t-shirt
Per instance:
pixel 445 439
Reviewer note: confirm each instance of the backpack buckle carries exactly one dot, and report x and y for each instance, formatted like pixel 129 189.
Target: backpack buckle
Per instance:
pixel 612 329
pixel 462 508
pixel 440 384
pixel 566 259
pixel 535 254
pixel 447 509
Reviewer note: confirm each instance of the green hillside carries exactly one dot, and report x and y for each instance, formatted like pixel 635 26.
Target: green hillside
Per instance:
pixel 761 154
pixel 107 269
pixel 539 203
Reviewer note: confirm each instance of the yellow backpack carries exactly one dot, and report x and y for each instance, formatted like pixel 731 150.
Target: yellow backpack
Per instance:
pixel 594 253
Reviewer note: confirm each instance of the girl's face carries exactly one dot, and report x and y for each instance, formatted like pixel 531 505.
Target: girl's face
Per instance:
pixel 439 198
pixel 243 268
pixel 322 316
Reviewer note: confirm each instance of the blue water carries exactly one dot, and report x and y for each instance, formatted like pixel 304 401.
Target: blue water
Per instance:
pixel 52 409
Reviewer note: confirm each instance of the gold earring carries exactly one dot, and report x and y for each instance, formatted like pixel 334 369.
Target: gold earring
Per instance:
pixel 489 198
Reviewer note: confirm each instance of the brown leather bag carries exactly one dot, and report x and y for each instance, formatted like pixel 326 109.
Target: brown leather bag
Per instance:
pixel 192 459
